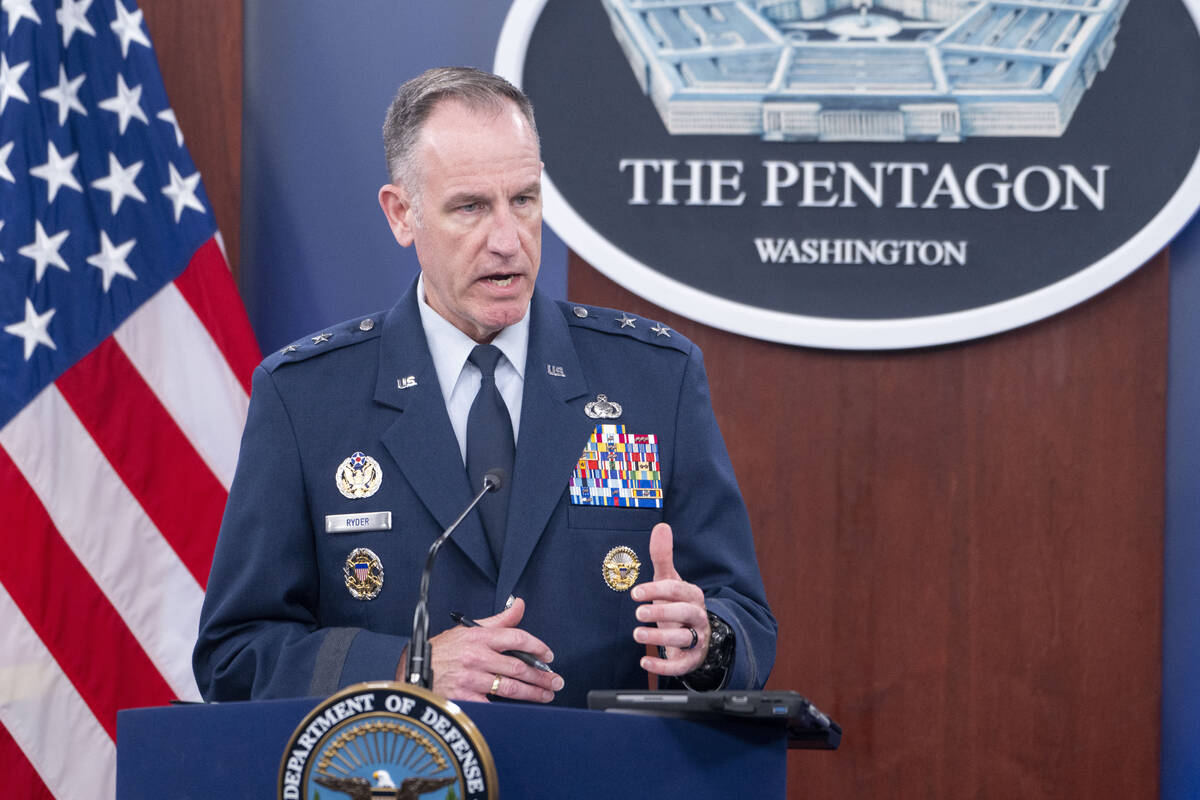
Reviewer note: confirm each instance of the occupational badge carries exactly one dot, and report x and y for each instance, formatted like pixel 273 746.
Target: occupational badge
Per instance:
pixel 358 476
pixel 387 740
pixel 364 574
pixel 620 568
pixel 602 408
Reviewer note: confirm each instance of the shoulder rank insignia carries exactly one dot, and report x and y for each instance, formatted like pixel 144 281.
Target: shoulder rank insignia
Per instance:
pixel 620 568
pixel 358 476
pixel 364 574
pixel 618 469
pixel 602 408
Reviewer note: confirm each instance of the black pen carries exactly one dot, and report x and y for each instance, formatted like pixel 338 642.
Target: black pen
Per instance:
pixel 520 655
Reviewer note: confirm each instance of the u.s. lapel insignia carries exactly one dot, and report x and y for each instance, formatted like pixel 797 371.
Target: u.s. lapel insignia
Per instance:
pixel 407 382
pixel 620 568
pixel 602 408
pixel 358 476
pixel 364 574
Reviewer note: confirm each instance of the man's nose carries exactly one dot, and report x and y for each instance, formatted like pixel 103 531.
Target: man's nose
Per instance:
pixel 504 239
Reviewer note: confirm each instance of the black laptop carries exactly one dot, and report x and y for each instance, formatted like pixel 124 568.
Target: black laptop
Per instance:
pixel 807 727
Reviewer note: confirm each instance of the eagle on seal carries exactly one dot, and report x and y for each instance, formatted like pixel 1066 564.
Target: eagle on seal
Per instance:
pixel 361 788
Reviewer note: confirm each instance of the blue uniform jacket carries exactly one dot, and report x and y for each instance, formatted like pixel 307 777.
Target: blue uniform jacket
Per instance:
pixel 278 619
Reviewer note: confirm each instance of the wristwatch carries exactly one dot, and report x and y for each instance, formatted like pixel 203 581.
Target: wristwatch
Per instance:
pixel 713 672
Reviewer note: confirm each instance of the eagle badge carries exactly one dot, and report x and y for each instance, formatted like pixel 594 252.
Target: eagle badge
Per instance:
pixel 358 476
pixel 620 568
pixel 364 574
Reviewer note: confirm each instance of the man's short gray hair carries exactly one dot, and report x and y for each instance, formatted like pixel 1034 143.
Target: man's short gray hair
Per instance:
pixel 417 98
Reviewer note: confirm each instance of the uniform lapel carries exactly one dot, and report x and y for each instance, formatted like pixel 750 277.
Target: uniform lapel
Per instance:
pixel 552 436
pixel 421 440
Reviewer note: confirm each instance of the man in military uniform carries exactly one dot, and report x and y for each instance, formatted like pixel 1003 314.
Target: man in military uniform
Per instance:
pixel 620 528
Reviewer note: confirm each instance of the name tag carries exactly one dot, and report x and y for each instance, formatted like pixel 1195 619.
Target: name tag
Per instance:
pixel 370 521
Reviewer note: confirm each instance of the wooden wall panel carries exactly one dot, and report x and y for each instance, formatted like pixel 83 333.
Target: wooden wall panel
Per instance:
pixel 963 545
pixel 199 48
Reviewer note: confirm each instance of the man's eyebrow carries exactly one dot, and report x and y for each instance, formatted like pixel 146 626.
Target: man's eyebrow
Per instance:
pixel 534 188
pixel 464 198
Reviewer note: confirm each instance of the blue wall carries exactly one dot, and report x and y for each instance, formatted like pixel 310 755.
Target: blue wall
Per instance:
pixel 1181 625
pixel 316 249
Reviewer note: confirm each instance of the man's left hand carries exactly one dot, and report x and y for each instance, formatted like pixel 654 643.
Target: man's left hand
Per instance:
pixel 676 608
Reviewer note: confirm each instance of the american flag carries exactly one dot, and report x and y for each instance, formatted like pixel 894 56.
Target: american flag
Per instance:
pixel 125 360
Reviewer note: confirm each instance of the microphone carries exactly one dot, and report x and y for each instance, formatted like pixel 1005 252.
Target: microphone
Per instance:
pixel 417 668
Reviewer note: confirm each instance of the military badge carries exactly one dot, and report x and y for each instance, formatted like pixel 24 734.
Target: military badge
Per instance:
pixel 358 476
pixel 387 740
pixel 364 574
pixel 602 408
pixel 620 568
pixel 617 469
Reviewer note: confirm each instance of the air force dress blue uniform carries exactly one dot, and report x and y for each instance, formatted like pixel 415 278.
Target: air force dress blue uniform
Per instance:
pixel 278 618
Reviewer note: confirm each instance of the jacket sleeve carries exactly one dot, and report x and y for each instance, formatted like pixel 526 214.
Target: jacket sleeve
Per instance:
pixel 714 546
pixel 261 635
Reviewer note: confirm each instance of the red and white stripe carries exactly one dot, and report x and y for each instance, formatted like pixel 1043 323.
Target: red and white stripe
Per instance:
pixel 113 481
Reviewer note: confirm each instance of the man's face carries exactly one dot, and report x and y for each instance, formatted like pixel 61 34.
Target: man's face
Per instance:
pixel 478 230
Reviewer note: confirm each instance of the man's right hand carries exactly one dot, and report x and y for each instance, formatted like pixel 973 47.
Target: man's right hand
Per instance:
pixel 467 661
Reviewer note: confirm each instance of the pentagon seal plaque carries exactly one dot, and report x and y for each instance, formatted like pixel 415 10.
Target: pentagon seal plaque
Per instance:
pixel 385 739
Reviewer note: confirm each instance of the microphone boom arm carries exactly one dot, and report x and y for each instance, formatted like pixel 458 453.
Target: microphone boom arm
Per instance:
pixel 417 667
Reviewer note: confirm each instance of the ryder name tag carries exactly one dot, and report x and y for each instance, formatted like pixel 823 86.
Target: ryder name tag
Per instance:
pixel 369 521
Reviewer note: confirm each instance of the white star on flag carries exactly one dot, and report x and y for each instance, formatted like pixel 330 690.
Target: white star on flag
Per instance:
pixel 182 192
pixel 126 103
pixel 168 115
pixel 73 17
pixel 120 182
pixel 18 10
pixel 33 329
pixel 56 172
pixel 44 251
pixel 128 27
pixel 66 95
pixel 10 81
pixel 111 260
pixel 5 172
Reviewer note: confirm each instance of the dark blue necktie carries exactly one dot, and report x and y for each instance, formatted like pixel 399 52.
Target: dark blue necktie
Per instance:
pixel 490 445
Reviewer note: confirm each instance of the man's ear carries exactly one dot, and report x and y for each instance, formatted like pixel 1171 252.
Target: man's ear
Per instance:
pixel 398 208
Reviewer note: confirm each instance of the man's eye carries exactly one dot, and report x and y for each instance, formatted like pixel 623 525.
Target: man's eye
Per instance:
pixel 523 200
pixel 469 207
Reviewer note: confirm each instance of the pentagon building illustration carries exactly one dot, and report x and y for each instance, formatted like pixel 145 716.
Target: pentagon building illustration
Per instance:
pixel 857 70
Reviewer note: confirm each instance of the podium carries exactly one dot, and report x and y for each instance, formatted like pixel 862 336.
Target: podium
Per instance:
pixel 234 749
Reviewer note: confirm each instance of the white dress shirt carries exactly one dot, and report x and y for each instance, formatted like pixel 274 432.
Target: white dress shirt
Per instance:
pixel 460 379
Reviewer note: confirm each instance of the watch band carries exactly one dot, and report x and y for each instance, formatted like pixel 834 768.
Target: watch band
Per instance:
pixel 713 672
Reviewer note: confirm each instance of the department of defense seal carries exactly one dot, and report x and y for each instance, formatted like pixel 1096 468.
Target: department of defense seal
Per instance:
pixel 358 476
pixel 364 574
pixel 620 568
pixel 387 740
